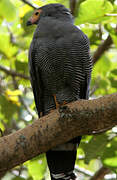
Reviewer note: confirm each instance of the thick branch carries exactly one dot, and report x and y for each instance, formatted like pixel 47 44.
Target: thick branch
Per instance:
pixel 13 73
pixel 102 48
pixel 77 118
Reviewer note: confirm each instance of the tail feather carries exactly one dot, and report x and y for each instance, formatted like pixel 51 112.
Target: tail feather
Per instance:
pixel 61 161
pixel 61 164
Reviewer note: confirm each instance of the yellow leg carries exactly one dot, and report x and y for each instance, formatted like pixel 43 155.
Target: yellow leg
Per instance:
pixel 56 103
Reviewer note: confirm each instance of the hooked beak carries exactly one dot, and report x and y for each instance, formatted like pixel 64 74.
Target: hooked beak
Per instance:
pixel 29 23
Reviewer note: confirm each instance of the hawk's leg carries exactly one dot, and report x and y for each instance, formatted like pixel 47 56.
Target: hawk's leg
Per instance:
pixel 56 103
pixel 61 159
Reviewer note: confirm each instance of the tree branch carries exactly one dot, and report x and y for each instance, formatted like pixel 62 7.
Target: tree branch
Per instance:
pixel 102 48
pixel 77 118
pixel 13 73
pixel 72 5
pixel 99 175
pixel 28 3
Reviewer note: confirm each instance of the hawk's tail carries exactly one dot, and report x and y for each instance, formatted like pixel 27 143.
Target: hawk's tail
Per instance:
pixel 61 161
pixel 61 164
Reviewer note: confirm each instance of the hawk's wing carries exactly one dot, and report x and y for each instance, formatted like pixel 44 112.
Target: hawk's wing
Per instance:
pixel 35 77
pixel 61 64
pixel 87 66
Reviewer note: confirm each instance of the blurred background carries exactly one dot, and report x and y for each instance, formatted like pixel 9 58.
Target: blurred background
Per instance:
pixel 97 155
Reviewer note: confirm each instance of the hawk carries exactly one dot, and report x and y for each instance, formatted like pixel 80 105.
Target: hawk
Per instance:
pixel 60 69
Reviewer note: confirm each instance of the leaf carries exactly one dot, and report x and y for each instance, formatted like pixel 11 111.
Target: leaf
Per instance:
pixel 22 56
pixel 37 167
pixel 103 66
pixel 113 82
pixel 8 92
pixel 21 67
pixel 114 71
pixel 109 157
pixel 112 32
pixel 95 147
pixel 103 83
pixel 24 82
pixel 13 96
pixel 91 11
pixel 42 3
pixel 7 108
pixel 7 10
pixel 24 9
pixel 6 48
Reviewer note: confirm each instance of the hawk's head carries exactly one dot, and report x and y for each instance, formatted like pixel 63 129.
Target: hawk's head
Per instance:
pixel 51 10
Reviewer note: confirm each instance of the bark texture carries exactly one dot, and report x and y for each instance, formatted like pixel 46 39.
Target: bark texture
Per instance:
pixel 77 118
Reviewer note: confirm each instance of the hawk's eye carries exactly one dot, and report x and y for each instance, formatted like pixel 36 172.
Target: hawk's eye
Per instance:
pixel 36 13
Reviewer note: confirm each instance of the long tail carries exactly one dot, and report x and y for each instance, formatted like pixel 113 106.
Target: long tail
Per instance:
pixel 61 161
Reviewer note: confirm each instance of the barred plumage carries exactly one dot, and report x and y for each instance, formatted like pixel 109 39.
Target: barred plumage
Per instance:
pixel 60 64
pixel 64 63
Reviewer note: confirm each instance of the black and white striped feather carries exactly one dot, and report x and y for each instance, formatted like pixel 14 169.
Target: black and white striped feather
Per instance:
pixel 60 63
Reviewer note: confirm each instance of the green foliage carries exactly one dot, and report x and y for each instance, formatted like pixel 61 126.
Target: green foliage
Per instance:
pixel 16 99
pixel 37 167
pixel 95 147
pixel 7 10
pixel 8 108
pixel 6 48
pixel 114 71
pixel 93 11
